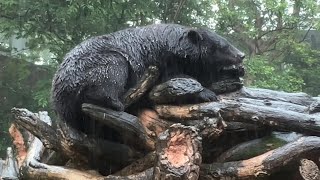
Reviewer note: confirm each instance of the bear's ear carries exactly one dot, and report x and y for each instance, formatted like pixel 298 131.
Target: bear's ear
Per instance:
pixel 194 36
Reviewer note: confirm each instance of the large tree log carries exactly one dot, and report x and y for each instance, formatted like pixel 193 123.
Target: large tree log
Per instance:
pixel 231 111
pixel 266 94
pixel 176 89
pixel 178 153
pixel 123 122
pixel 34 169
pixel 264 164
pixel 257 146
pixel 178 149
pixel 72 143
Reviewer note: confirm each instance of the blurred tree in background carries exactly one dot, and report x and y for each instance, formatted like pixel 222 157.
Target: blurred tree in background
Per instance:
pixel 281 39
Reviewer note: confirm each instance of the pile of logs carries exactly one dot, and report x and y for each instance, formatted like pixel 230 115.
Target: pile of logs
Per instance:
pixel 196 141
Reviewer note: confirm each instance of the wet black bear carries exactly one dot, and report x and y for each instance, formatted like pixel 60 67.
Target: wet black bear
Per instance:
pixel 101 69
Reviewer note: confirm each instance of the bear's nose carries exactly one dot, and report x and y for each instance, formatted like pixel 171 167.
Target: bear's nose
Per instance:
pixel 241 56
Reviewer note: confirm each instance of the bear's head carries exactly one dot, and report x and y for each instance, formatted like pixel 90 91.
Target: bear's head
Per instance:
pixel 212 54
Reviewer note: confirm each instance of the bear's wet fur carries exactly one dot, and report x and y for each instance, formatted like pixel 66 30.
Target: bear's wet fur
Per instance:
pixel 102 68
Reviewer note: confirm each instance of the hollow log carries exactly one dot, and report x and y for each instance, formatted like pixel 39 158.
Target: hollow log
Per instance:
pixel 264 164
pixel 178 152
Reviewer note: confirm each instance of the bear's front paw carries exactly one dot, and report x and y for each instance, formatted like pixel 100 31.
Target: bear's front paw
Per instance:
pixel 117 105
pixel 207 96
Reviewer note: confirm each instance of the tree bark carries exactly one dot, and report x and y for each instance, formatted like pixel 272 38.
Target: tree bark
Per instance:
pixel 276 118
pixel 135 135
pixel 72 143
pixel 148 79
pixel 264 164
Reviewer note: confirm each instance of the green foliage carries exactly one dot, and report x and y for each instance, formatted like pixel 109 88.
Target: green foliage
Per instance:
pixel 60 25
pixel 276 36
pixel 263 74
pixel 22 84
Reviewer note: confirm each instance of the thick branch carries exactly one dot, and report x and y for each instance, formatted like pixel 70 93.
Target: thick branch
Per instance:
pixel 264 164
pixel 148 79
pixel 72 143
pixel 231 111
pixel 135 133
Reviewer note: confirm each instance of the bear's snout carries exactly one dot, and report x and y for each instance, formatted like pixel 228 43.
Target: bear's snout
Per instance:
pixel 241 56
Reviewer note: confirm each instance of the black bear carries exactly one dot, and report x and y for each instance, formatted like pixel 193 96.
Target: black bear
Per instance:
pixel 101 69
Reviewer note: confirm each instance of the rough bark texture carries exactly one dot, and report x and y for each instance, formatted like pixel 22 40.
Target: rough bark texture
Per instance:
pixel 135 133
pixel 72 143
pixel 176 89
pixel 264 164
pixel 178 153
pixel 229 110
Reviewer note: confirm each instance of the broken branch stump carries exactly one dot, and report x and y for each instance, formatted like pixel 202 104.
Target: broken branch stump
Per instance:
pixel 148 79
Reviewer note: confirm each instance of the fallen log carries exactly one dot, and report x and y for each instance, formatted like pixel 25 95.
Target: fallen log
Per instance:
pixel 72 143
pixel 33 168
pixel 176 90
pixel 276 118
pixel 135 133
pixel 258 146
pixel 264 164
pixel 266 94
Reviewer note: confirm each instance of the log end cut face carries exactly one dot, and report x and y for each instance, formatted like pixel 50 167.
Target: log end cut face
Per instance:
pixel 179 150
